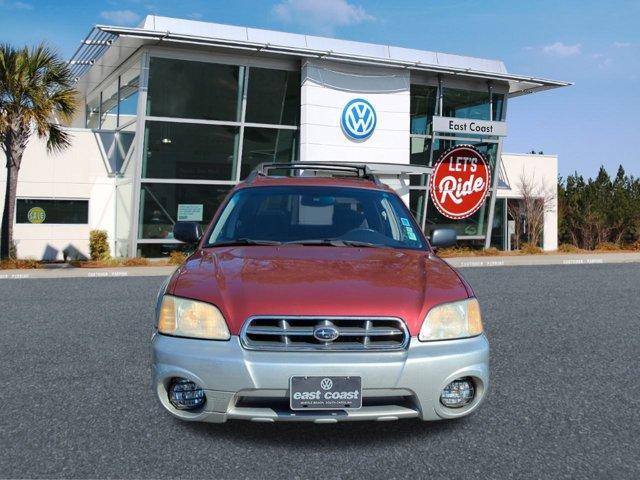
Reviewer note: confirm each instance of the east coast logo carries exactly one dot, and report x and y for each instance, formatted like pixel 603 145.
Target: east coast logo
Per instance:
pixel 460 182
pixel 358 120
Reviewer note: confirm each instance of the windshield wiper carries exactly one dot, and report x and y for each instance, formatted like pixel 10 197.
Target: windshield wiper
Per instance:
pixel 316 241
pixel 332 242
pixel 244 241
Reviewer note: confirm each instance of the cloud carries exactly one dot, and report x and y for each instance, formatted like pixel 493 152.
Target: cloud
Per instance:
pixel 621 44
pixel 124 17
pixel 559 49
pixel 16 5
pixel 321 15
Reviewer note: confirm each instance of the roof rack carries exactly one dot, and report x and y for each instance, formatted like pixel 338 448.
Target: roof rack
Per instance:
pixel 367 171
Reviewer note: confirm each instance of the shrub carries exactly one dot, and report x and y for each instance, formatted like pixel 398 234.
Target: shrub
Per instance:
pixel 19 264
pixel 135 262
pixel 177 258
pixel 568 248
pixel 99 245
pixel 491 252
pixel 635 246
pixel 529 249
pixel 608 246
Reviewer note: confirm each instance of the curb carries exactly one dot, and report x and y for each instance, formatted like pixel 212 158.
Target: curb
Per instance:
pixel 542 260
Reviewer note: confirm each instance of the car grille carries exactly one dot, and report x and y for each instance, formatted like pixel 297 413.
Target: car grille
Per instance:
pixel 297 333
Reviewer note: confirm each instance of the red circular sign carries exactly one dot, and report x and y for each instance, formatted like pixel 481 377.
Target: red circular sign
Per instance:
pixel 460 182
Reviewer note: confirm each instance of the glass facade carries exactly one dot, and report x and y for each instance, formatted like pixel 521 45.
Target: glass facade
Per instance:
pixel 427 146
pixel 201 90
pixel 190 151
pixel 207 125
pixel 466 104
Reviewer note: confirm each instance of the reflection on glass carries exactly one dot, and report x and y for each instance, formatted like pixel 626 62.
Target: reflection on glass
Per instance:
pixel 189 151
pixel 423 106
pixel 466 104
pixel 159 203
pixel 267 145
pixel 180 88
pixel 273 96
pixel 129 83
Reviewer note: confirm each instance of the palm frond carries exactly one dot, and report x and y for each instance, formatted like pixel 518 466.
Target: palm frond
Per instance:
pixel 57 138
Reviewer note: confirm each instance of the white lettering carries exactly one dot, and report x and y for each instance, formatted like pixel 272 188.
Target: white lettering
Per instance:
pixel 455 189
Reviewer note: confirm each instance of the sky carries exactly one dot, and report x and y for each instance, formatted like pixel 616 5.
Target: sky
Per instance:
pixel 594 44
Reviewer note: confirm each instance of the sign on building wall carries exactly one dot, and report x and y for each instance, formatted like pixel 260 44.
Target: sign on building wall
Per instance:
pixel 358 120
pixel 190 212
pixel 36 215
pixel 473 127
pixel 460 182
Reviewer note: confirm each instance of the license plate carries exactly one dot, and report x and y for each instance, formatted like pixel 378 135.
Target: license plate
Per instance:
pixel 325 393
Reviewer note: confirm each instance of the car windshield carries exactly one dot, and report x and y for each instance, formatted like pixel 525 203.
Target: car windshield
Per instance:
pixel 331 216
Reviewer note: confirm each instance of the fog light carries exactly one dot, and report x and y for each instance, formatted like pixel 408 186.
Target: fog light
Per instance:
pixel 458 393
pixel 185 394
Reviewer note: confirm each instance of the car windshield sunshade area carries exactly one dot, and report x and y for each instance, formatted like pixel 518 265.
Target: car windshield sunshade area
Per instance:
pixel 323 216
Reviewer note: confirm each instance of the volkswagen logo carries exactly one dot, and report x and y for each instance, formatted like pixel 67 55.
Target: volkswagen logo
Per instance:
pixel 326 384
pixel 325 333
pixel 358 119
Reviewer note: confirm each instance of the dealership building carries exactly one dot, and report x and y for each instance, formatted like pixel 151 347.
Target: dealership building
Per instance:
pixel 175 112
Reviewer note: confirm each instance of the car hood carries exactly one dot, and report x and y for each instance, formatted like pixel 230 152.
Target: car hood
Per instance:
pixel 309 280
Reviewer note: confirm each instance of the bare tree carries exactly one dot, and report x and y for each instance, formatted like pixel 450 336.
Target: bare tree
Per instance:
pixel 528 213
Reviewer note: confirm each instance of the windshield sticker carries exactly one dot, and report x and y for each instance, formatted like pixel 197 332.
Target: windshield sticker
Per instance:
pixel 405 222
pixel 410 234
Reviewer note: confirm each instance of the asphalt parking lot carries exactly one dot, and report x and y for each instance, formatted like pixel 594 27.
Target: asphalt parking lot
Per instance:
pixel 565 400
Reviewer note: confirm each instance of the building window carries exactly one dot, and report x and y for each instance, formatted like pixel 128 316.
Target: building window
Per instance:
pixel 273 97
pixel 190 151
pixel 128 96
pixel 199 90
pixel 109 107
pixel 423 107
pixel 267 145
pixel 36 211
pixel 466 104
pixel 498 107
pixel 160 204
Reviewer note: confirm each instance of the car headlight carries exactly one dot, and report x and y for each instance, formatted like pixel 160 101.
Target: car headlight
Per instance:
pixel 452 320
pixel 182 317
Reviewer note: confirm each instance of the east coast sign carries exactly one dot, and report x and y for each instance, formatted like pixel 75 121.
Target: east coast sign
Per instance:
pixel 460 182
pixel 473 127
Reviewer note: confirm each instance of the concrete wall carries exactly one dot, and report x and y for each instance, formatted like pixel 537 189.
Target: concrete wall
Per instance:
pixel 542 170
pixel 79 172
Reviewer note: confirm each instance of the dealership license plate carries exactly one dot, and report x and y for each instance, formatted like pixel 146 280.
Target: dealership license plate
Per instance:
pixel 325 393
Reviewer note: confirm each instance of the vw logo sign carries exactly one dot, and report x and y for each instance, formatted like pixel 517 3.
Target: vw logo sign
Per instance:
pixel 358 119
pixel 326 334
pixel 326 384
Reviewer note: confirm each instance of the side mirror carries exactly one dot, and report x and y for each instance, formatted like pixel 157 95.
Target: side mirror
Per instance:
pixel 187 232
pixel 443 237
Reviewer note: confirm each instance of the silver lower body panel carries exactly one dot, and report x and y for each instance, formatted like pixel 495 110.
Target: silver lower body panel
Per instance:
pixel 254 385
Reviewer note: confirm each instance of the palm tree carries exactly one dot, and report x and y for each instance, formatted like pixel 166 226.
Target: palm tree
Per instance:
pixel 36 91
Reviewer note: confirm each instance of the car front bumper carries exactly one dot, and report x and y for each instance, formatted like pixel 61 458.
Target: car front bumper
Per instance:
pixel 254 385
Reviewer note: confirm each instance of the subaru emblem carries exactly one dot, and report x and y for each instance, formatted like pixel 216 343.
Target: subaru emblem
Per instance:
pixel 358 119
pixel 325 333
